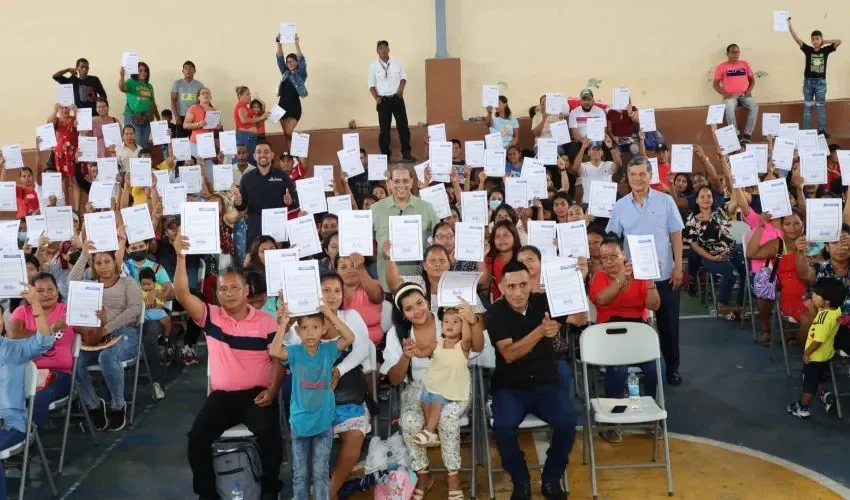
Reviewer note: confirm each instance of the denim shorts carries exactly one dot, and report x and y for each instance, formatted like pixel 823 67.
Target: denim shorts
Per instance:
pixel 429 397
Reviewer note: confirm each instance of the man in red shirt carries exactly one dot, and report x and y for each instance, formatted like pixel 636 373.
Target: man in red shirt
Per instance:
pixel 623 128
pixel 734 80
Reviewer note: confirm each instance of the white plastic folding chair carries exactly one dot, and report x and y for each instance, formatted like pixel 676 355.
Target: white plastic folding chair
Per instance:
pixel 741 232
pixel 30 384
pixel 618 344
pixel 67 402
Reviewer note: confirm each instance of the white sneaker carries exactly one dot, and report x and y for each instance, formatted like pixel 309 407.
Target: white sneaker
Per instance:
pixel 158 393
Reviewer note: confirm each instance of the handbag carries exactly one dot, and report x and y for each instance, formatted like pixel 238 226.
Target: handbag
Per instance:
pixel 764 282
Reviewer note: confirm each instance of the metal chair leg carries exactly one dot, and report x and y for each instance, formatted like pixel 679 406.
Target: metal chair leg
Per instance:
pixel 782 338
pixel 835 390
pixel 655 442
pixel 491 490
pixel 474 424
pixel 667 458
pixel 44 463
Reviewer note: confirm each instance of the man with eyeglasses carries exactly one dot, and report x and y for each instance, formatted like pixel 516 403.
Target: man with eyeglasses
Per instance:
pixel 386 83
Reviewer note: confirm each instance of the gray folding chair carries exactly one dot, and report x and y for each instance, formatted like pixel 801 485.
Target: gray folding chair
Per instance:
pixel 30 384
pixel 67 402
pixel 843 358
pixel 618 344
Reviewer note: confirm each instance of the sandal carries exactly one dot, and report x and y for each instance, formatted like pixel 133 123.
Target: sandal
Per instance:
pixel 426 439
pixel 419 493
pixel 454 494
pixel 765 340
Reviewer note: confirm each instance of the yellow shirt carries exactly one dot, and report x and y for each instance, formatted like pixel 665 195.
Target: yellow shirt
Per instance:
pixel 823 330
pixel 157 301
pixel 448 373
pixel 138 193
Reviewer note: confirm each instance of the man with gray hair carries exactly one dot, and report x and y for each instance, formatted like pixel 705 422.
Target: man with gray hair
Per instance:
pixel 646 211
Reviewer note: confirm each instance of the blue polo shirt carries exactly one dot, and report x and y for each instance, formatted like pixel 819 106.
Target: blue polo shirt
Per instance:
pixel 658 216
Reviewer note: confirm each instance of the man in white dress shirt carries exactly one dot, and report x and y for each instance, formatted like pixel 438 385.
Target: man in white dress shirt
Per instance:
pixel 386 83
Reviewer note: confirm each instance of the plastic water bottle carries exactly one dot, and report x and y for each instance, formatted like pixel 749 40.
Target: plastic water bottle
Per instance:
pixel 236 492
pixel 634 389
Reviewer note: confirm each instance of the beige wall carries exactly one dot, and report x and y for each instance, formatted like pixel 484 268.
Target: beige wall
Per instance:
pixel 664 50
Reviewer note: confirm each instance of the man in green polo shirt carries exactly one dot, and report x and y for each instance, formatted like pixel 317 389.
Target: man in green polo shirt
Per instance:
pixel 401 202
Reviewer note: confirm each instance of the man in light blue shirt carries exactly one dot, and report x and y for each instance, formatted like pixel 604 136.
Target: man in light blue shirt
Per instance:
pixel 644 211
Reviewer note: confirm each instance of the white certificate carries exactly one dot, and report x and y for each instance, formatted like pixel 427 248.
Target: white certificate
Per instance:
pixel 8 198
pixel 727 139
pixel 140 172
pixel 547 151
pixel 163 178
pixel 84 120
pixel 643 256
pixel 541 234
pixel 47 134
pixel 603 196
pixel 789 131
pixel 222 177
pixel 596 128
pixel 212 119
pixel 181 149
pixel 437 133
pixel 560 131
pixel 276 113
pixel 770 124
pixel 190 176
pixel 516 192
pixel 774 198
pixel 494 141
pixel 744 172
pixel 355 233
pixel 88 148
pixel 349 162
pixel 646 117
pixel 807 140
pixel 138 223
pixel 760 153
pixel 173 198
pixel 13 272
pixel 564 288
pixel 490 96
pixel 780 21
pixel 274 268
pixel 682 158
pixel 654 178
pixel 473 206
pixel 9 234
pixel 455 285
pixel 85 299
pixel 440 158
pixel 823 219
pixel 535 173
pixel 572 239
pixel 822 144
pixel 844 165
pixel 351 140
pixel 302 288
pixel 287 33
pixel 494 163
pixel 65 94
pixel 300 145
pixel 130 62
pixel 101 231
pixel 100 194
pixel 35 227
pixel 13 156
pixel 438 198
pixel 420 171
pixel 206 145
pixel 274 222
pixel 326 173
pixel 199 222
pixel 339 204
pixel 620 98
pixel 107 169
pixel 112 134
pixel 159 133
pixel 51 185
pixel 58 223
pixel 406 237
pixel 474 153
pixel 783 153
pixel 813 167
pixel 469 241
pixel 377 165
pixel 311 195
pixel 554 103
pixel 227 142
pixel 716 113
pixel 304 236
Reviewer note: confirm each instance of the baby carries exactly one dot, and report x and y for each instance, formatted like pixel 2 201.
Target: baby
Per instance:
pixel 155 312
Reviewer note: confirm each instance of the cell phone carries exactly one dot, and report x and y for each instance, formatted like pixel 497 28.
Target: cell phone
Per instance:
pixel 619 409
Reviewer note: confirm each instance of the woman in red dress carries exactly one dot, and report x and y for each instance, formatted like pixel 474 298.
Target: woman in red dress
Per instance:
pixel 65 153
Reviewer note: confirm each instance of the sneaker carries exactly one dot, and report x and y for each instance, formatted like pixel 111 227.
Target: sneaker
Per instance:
pixel 98 415
pixel 189 356
pixel 408 158
pixel 828 400
pixel 612 435
pixel 521 492
pixel 553 490
pixel 797 410
pixel 746 139
pixel 824 134
pixel 158 393
pixel 117 419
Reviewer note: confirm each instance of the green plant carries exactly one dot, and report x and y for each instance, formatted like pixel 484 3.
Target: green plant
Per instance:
pixel 593 83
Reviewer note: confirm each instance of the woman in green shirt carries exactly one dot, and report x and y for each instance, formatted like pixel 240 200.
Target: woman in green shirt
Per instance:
pixel 141 106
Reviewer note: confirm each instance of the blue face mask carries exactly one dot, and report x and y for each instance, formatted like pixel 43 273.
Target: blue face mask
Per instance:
pixel 494 204
pixel 22 238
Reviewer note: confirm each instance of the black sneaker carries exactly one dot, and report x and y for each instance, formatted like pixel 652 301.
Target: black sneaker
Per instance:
pixel 746 139
pixel 824 134
pixel 521 492
pixel 408 158
pixel 553 491
pixel 117 419
pixel 98 415
pixel 673 378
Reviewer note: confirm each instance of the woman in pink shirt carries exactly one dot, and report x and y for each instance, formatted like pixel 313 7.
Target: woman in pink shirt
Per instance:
pixel 59 359
pixel 362 293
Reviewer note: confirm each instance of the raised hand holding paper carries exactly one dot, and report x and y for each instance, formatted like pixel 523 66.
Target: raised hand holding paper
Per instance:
pixel 437 133
pixel 300 145
pixel 173 198
pixel 469 241
pixel 206 145
pixel 311 194
pixel 47 134
pixel 823 219
pixel 494 141
pixel 643 256
pixel 770 124
pixel 85 298
pixel 130 63
pixel 759 151
pixel 813 167
pixel 213 119
pixel 646 117
pixel 287 33
pixel 222 177
pixel 490 96
pixel 554 103
pixel 107 169
pixel 783 153
pixel 65 94
pixel 560 131
pixel 58 223
pixel 474 153
pixel 13 272
pixel 84 120
pixel 326 173
pixel 494 163
pixel 744 170
pixel 455 285
pixel 438 198
pixel 351 140
pixel 190 176
pixel 302 289
pixel 572 239
pixel 100 194
pixel 780 21
pixel 112 135
pixel 473 206
pixel 304 236
pixel 338 204
pixel 564 286
pixel 682 158
pixel 137 222
pixel 227 141
pixel 516 192
pixel 87 146
pixel 603 196
pixel 181 149
pixel 140 172
pixel 774 198
pixel 844 165
pixel 13 156
pixel 727 139
pixel 440 157
pixel 274 268
pixel 541 234
pixel 349 162
pixel 377 165
pixel 620 99
pixel 159 133
pixel 200 223
pixel 101 231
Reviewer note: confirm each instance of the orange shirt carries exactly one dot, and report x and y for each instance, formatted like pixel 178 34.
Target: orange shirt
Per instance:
pixel 238 121
pixel 198 113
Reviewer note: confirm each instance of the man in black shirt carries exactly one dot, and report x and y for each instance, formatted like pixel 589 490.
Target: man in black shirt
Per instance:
pixel 265 187
pixel 526 381
pixel 814 76
pixel 87 88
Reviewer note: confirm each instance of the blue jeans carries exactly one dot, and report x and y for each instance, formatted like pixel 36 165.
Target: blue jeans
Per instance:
pixel 58 389
pixel 546 402
pixel 143 132
pixel 814 95
pixel 751 106
pixel 311 458
pixel 615 379
pixel 8 438
pixel 249 140
pixel 110 360
pixel 727 270
pixel 565 374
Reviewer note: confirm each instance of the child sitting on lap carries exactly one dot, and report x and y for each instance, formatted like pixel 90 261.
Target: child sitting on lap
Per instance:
pixel 155 312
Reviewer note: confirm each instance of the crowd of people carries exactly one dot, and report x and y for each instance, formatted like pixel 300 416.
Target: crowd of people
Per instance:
pixel 258 352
